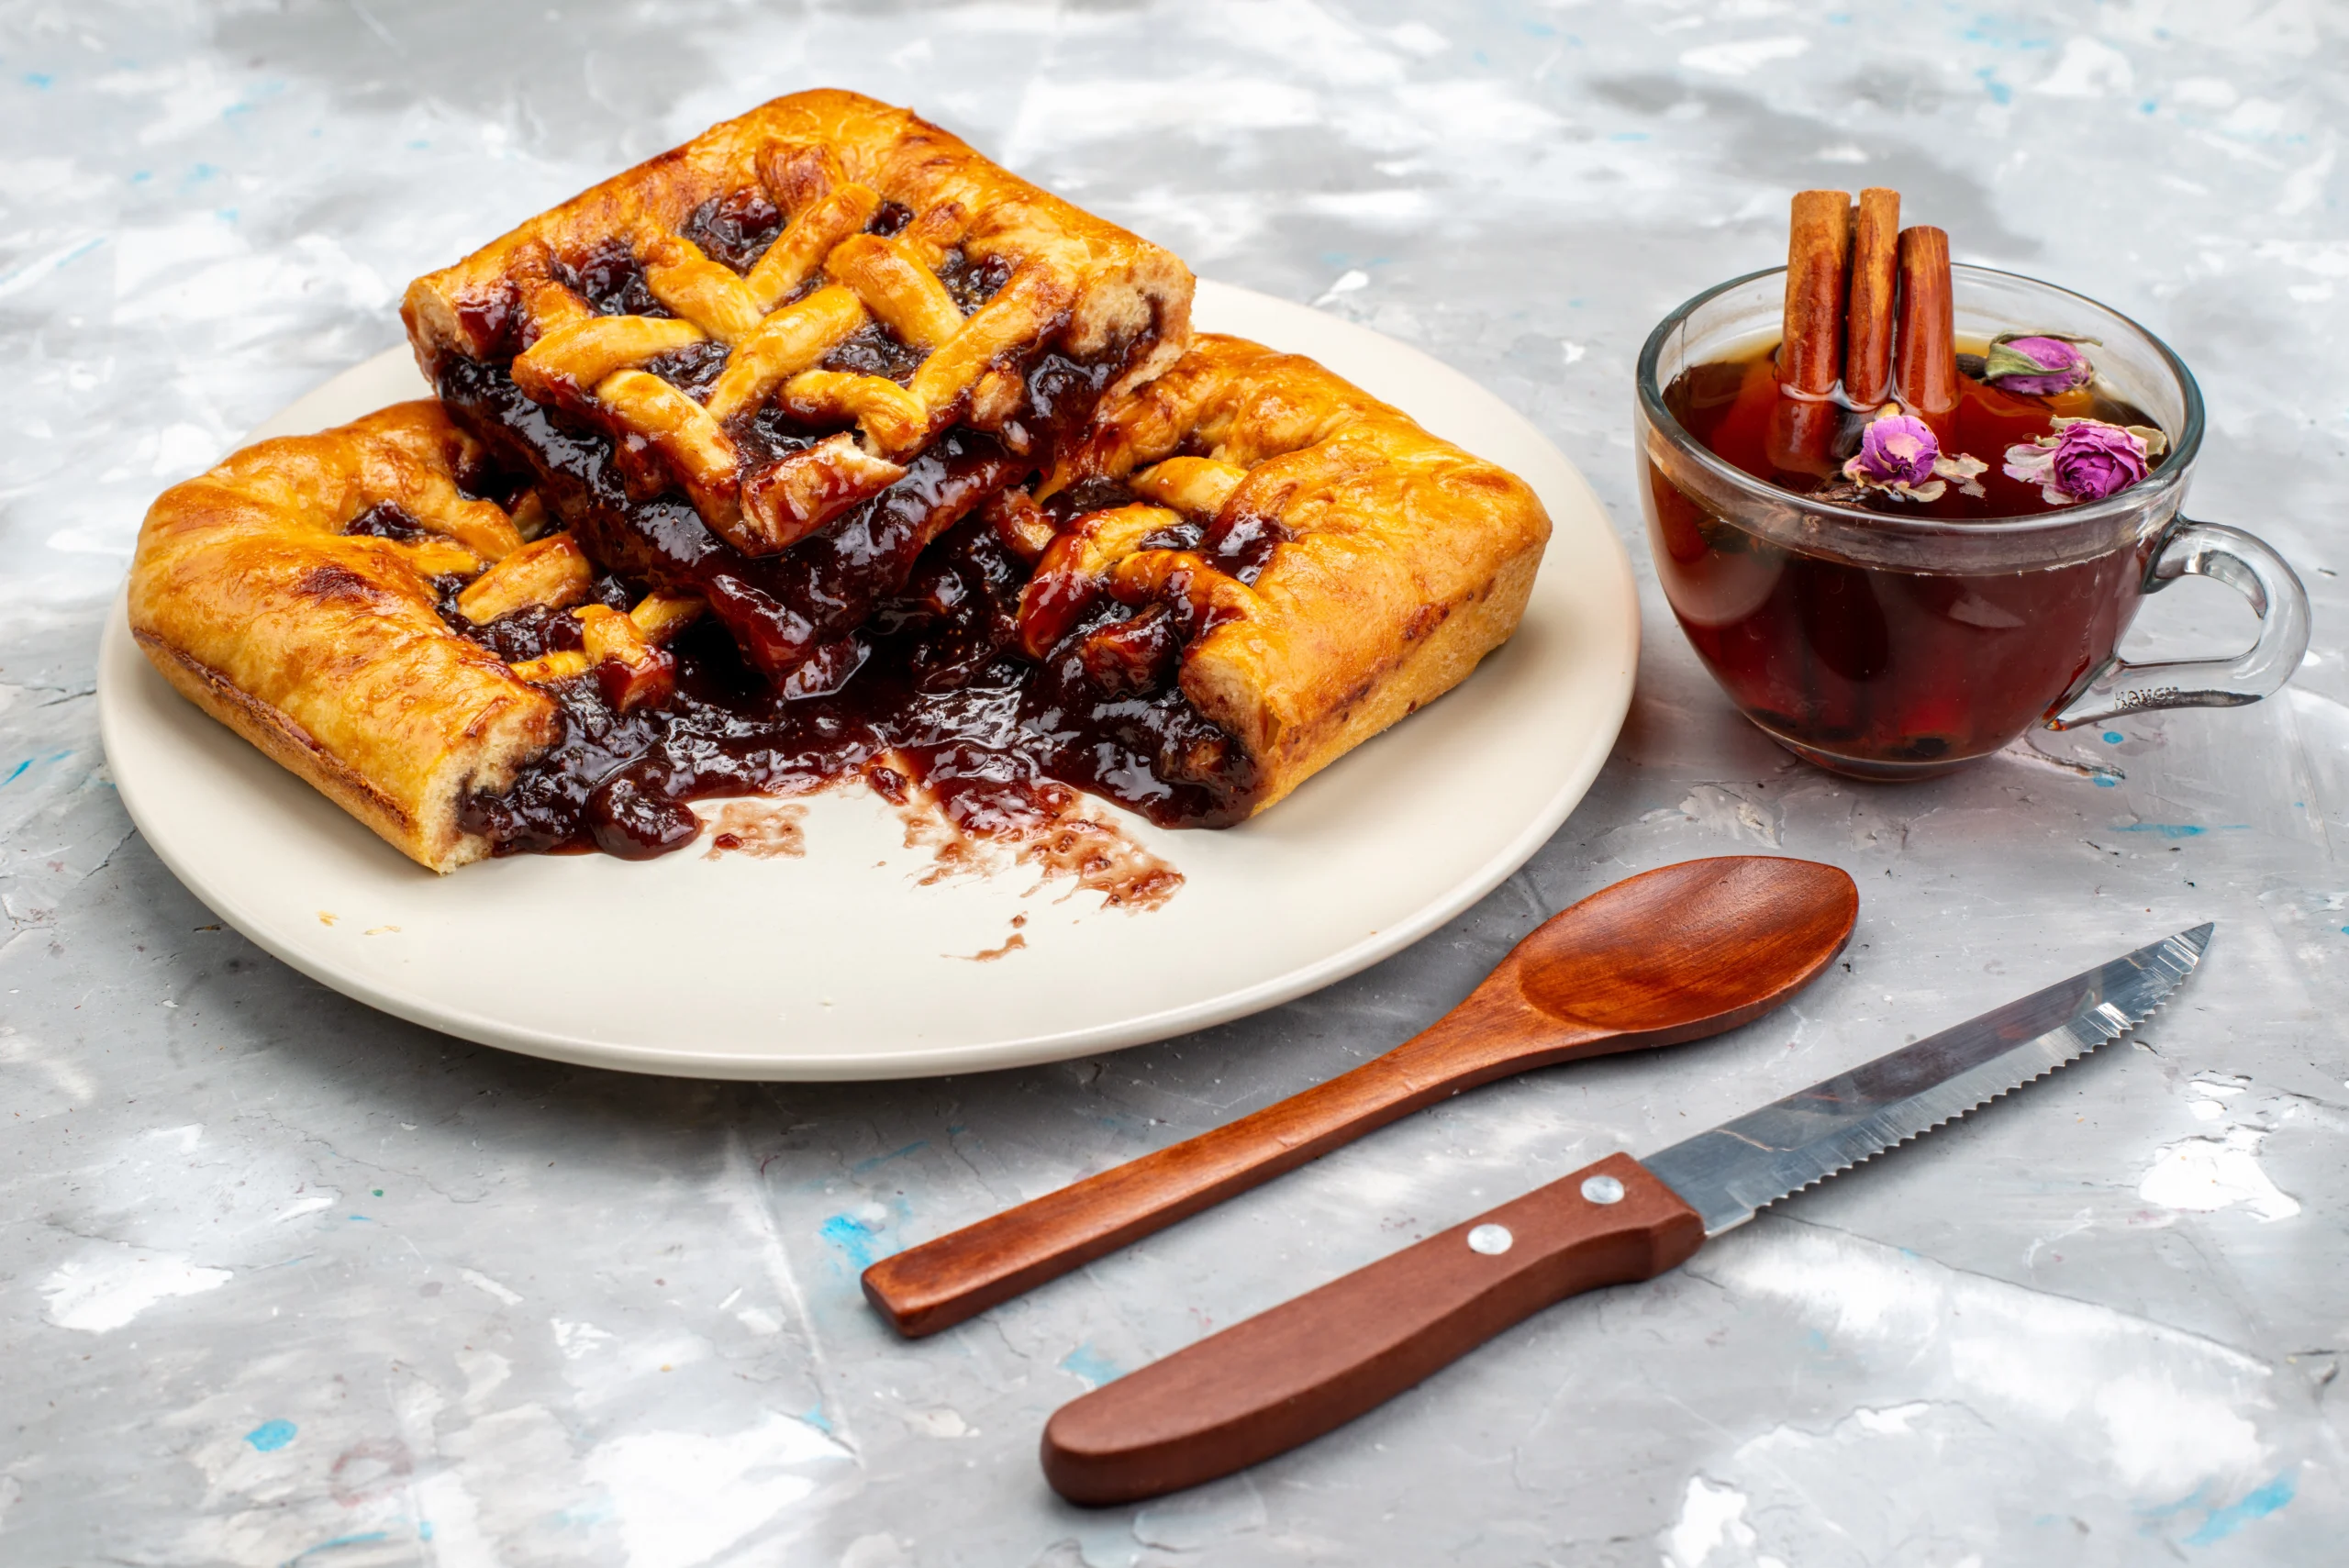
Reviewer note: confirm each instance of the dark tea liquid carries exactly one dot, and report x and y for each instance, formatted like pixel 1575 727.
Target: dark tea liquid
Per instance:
pixel 1870 670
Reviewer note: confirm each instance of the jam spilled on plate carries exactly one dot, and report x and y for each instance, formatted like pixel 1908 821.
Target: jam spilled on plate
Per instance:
pixel 983 753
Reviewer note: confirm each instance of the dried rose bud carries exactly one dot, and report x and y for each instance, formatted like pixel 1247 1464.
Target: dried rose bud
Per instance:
pixel 2086 460
pixel 2040 365
pixel 1895 450
pixel 1901 457
pixel 2094 460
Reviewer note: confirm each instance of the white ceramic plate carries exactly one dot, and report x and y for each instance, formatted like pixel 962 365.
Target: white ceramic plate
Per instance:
pixel 842 964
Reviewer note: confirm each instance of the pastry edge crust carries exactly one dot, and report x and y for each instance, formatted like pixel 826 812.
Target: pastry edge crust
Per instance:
pixel 435 842
pixel 1443 659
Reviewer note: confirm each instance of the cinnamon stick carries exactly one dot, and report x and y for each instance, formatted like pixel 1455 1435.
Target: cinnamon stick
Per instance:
pixel 1926 354
pixel 1875 244
pixel 1801 436
pixel 1810 355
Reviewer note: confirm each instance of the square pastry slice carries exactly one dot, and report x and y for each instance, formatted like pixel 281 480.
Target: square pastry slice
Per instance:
pixel 1257 567
pixel 331 599
pixel 770 366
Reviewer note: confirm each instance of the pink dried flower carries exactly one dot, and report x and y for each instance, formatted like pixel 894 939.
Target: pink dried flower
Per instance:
pixel 2040 364
pixel 1899 454
pixel 2086 460
pixel 1895 450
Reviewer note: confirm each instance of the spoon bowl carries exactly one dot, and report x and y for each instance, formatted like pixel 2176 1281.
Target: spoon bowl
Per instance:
pixel 1689 950
pixel 1673 954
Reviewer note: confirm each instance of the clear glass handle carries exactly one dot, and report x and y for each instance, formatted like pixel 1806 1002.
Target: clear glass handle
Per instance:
pixel 2250 569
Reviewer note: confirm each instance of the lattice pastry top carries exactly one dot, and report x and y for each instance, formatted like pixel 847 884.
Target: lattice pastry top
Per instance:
pixel 614 305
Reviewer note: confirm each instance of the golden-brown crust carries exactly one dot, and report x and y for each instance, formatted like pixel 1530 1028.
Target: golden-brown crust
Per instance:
pixel 1403 559
pixel 826 158
pixel 325 650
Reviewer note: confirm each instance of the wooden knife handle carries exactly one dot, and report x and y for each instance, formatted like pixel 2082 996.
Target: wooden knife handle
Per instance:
pixel 1285 1376
pixel 939 1283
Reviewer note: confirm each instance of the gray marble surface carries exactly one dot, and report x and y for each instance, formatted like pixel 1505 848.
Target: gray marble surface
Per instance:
pixel 284 1280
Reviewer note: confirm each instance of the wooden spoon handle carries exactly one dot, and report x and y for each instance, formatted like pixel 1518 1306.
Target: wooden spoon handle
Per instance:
pixel 1285 1376
pixel 939 1283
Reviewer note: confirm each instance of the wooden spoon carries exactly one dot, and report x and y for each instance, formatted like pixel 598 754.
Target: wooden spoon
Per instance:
pixel 1673 954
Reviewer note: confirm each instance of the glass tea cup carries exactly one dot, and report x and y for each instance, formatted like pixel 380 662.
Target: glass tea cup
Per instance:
pixel 1893 647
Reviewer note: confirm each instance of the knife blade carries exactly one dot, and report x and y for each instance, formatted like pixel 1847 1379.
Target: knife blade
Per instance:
pixel 1290 1374
pixel 1728 1172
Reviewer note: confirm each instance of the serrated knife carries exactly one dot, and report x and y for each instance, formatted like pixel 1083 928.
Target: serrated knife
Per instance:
pixel 1285 1376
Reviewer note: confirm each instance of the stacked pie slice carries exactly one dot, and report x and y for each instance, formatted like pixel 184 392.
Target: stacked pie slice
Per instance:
pixel 769 330
pixel 814 444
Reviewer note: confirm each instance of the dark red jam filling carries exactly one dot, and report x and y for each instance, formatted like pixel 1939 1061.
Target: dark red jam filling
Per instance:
pixel 903 593
pixel 540 629
pixel 992 740
pixel 692 370
pixel 1238 546
pixel 1061 396
pixel 783 610
pixel 970 284
pixel 1134 738
pixel 386 519
pixel 873 349
pixel 611 280
pixel 735 229
pixel 793 609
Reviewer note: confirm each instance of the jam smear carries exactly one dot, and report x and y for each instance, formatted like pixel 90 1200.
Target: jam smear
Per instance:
pixel 940 720
pixel 1053 835
pixel 763 830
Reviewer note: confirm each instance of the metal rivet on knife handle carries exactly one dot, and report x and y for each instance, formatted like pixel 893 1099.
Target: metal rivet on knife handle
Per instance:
pixel 1490 1239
